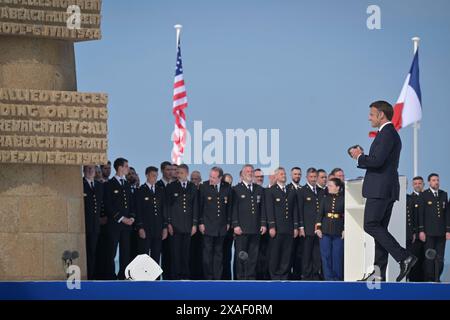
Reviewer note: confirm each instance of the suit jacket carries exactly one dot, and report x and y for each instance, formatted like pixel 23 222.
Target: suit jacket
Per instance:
pixel 93 205
pixel 215 208
pixel 281 209
pixel 249 210
pixel 118 201
pixel 151 213
pixel 182 206
pixel 308 208
pixel 434 216
pixel 381 164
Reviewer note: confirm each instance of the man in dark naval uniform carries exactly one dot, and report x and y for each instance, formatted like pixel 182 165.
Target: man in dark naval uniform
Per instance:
pixel 413 244
pixel 297 248
pixel 118 204
pixel 308 207
pixel 249 223
pixel 434 227
pixel 182 199
pixel 282 217
pixel 93 202
pixel 214 222
pixel 151 218
pixel 166 171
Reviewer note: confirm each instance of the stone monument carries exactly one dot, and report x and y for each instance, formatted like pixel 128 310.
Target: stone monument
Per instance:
pixel 48 130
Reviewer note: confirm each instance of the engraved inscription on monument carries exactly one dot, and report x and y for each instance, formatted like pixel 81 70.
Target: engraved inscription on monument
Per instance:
pixel 50 19
pixel 53 127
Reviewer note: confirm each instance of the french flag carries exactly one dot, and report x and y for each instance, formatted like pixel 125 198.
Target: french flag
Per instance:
pixel 408 108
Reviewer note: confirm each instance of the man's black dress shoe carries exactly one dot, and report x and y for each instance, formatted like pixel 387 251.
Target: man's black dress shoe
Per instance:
pixel 406 266
pixel 371 276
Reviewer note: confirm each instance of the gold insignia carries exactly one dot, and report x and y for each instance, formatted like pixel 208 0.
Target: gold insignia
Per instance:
pixel 416 205
pixel 209 198
pixel 85 194
pixel 225 199
pixel 146 198
pixel 430 202
pixel 175 194
pixel 277 199
pixel 243 196
pixel 308 199
pixel 116 191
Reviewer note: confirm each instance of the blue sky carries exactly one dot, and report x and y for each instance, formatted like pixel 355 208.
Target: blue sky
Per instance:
pixel 308 68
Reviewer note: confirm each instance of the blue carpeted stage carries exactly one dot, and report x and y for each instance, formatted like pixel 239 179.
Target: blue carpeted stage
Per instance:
pixel 222 290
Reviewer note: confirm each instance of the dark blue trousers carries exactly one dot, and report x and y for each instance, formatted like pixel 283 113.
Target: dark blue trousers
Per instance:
pixel 332 252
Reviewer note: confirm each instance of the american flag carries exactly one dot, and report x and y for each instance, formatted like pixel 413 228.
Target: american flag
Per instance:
pixel 179 104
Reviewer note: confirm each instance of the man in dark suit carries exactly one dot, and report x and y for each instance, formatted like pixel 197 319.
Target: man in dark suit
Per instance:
pixel 381 189
pixel 282 216
pixel 434 227
pixel 93 202
pixel 118 204
pixel 214 222
pixel 182 201
pixel 249 223
pixel 151 218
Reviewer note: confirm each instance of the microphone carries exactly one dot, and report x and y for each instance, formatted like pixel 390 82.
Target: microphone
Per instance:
pixel 243 256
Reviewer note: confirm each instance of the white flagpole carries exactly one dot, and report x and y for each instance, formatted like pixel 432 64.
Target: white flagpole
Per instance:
pixel 416 124
pixel 178 30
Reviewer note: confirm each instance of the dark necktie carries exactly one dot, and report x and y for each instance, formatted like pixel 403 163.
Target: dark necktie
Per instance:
pixel 121 182
pixel 284 189
pixel 216 188
pixel 435 194
pixel 92 185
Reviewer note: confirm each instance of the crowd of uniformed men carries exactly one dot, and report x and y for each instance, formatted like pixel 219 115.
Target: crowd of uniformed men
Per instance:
pixel 280 231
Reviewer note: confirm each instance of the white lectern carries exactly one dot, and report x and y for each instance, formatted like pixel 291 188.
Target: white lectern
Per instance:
pixel 359 247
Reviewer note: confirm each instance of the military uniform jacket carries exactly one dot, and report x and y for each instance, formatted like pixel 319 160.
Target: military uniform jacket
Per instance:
pixel 281 209
pixel 249 212
pixel 308 208
pixel 182 206
pixel 330 218
pixel 215 208
pixel 151 213
pixel 93 206
pixel 118 201
pixel 434 216
pixel 412 214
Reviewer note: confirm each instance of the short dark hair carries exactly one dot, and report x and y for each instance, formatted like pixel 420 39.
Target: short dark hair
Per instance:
pixel 164 165
pixel 337 182
pixel 119 162
pixel 219 170
pixel 132 169
pixel 183 166
pixel 335 170
pixel 311 170
pixel 321 170
pixel 151 169
pixel 257 169
pixel 385 107
pixel 431 175
pixel 103 165
pixel 418 178
pixel 296 168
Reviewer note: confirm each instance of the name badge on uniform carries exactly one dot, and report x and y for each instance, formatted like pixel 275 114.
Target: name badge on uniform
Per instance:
pixel 258 198
pixel 146 198
pixel 430 202
pixel 116 191
pixel 308 199
pixel 243 196
pixel 209 198
pixel 175 194
pixel 443 204
pixel 225 199
pixel 277 199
